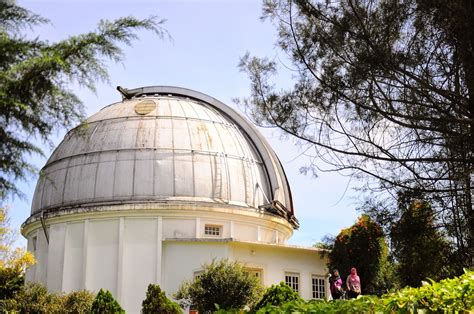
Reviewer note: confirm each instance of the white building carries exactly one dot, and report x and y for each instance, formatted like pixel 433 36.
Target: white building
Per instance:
pixel 150 188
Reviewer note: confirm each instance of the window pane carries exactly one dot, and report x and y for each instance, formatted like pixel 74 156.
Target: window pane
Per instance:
pixel 292 280
pixel 319 287
pixel 212 230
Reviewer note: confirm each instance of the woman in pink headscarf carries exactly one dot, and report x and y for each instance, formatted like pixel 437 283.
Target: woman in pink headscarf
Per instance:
pixel 353 284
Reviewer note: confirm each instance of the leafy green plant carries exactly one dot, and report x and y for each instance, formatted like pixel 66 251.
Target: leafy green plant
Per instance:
pixel 104 302
pixel 278 295
pixel 448 296
pixel 79 302
pixel 34 298
pixel 222 285
pixel 157 302
pixel 13 262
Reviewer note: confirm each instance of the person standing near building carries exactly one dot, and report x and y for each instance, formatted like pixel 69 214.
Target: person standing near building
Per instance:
pixel 353 284
pixel 335 285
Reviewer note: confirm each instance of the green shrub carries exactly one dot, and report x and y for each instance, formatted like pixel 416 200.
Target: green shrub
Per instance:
pixel 79 302
pixel 277 295
pixel 34 298
pixel 222 285
pixel 11 281
pixel 157 302
pixel 104 302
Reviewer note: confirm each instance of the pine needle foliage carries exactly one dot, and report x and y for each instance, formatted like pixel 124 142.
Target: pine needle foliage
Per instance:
pixel 36 78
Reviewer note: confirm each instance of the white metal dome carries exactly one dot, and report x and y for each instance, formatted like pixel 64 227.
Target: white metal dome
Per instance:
pixel 164 144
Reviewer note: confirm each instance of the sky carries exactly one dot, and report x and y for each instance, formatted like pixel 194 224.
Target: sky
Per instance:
pixel 208 38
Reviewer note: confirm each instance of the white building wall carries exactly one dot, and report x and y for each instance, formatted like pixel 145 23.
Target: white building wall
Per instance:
pixel 276 260
pixel 74 258
pixel 102 255
pixel 139 260
pixel 179 228
pixel 125 251
pixel 41 256
pixel 57 236
pixel 182 259
pixel 30 246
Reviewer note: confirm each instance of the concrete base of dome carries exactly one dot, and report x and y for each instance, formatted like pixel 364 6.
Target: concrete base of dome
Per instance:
pixel 123 248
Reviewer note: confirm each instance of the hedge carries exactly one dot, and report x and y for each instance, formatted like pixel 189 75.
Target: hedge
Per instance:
pixel 449 295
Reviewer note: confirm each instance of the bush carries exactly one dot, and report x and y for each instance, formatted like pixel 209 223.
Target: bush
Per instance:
pixel 34 298
pixel 13 262
pixel 79 302
pixel 448 296
pixel 222 285
pixel 278 295
pixel 104 302
pixel 11 281
pixel 157 302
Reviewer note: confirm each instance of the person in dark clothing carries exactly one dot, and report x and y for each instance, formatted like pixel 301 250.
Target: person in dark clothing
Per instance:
pixel 335 285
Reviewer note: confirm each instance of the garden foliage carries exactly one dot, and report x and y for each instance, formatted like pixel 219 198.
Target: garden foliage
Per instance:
pixel 105 303
pixel 157 302
pixel 222 285
pixel 79 302
pixel 448 296
pixel 34 298
pixel 13 262
pixel 277 295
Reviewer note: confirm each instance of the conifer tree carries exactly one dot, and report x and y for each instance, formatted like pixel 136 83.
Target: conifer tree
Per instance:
pixel 36 77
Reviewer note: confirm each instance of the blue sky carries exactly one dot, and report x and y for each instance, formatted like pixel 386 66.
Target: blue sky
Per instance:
pixel 208 38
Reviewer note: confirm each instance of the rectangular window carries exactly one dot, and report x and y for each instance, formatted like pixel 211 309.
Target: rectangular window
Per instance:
pixel 256 272
pixel 212 230
pixel 33 243
pixel 319 287
pixel 293 280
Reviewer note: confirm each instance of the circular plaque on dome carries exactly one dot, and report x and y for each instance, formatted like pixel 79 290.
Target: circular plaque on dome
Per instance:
pixel 145 107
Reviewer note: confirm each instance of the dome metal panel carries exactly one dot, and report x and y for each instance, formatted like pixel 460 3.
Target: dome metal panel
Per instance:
pixel 184 146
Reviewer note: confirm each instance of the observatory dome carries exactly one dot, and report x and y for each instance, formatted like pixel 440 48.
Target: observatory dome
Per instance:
pixel 164 145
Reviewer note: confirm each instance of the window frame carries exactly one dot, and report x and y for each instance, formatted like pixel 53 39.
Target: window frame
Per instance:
pixel 294 284
pixel 212 228
pixel 318 290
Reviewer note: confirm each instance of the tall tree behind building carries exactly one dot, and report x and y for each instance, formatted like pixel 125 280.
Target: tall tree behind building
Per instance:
pixel 383 91
pixel 363 246
pixel 418 247
pixel 35 76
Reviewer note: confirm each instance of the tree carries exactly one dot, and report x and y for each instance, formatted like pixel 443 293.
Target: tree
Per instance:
pixel 223 283
pixel 35 76
pixel 13 262
pixel 105 302
pixel 383 91
pixel 157 302
pixel 419 248
pixel 362 246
